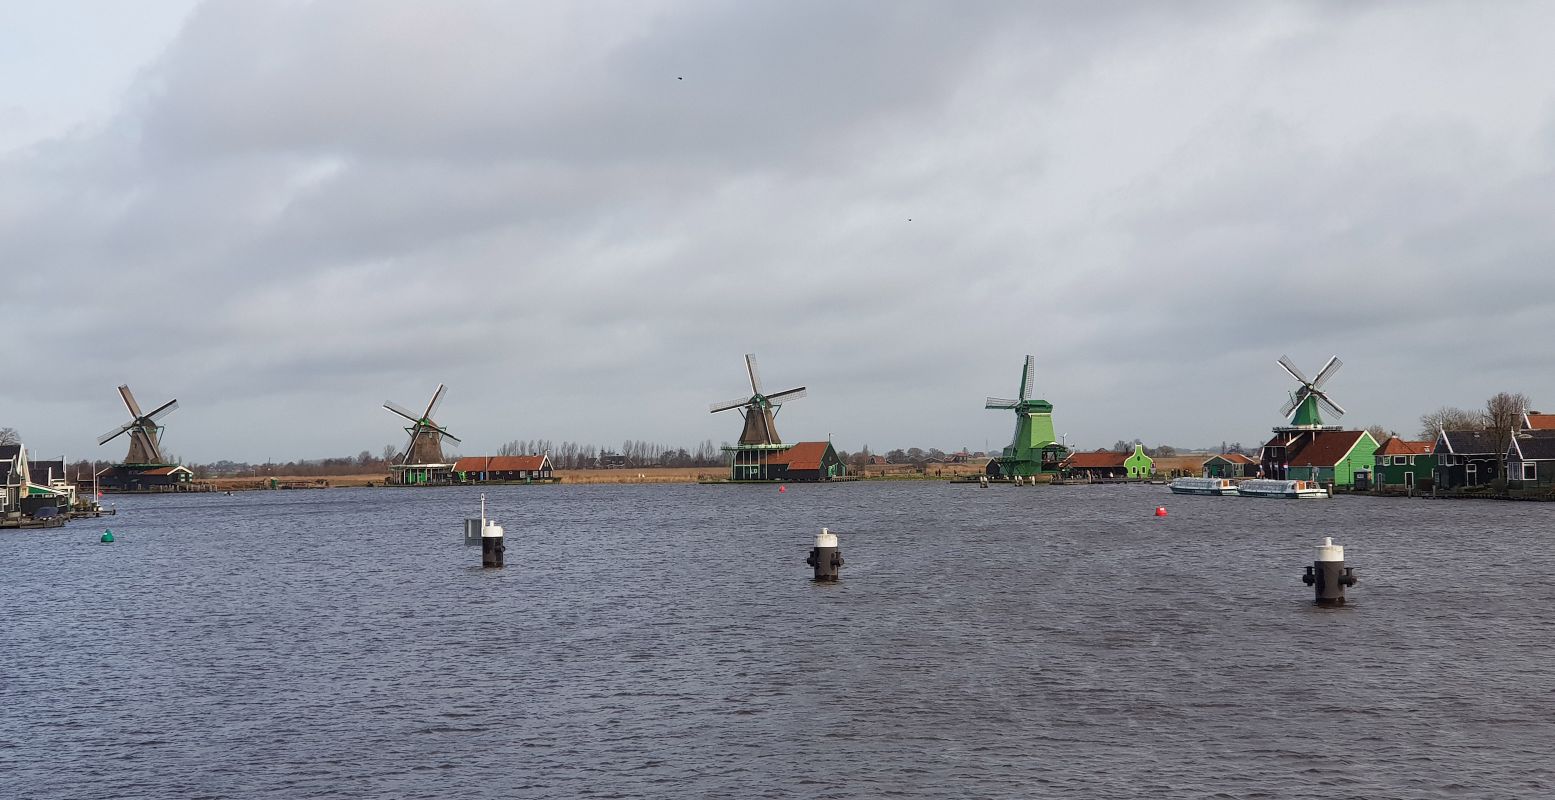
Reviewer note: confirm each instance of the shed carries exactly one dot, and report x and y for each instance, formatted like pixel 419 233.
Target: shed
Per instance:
pixel 1230 465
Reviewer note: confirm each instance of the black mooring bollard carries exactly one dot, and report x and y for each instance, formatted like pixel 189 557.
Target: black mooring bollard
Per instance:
pixel 1328 575
pixel 825 556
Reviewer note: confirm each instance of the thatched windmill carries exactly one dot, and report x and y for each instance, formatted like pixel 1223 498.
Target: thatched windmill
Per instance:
pixel 144 432
pixel 760 410
pixel 426 437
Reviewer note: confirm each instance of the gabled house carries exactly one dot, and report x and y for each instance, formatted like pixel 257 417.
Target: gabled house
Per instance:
pixel 482 469
pixel 1230 465
pixel 1331 457
pixel 1534 421
pixel 1530 460
pixel 805 461
pixel 1404 465
pixel 13 478
pixel 1464 458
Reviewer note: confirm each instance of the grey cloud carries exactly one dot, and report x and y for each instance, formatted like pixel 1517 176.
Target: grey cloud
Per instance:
pixel 309 208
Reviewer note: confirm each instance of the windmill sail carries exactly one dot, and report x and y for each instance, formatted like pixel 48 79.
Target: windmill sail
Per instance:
pixel 759 410
pixel 144 432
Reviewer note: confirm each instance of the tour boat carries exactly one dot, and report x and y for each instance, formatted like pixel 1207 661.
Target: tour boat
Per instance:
pixel 1260 487
pixel 1215 486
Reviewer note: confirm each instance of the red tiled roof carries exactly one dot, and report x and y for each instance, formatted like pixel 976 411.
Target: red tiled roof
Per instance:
pixel 803 455
pixel 1541 422
pixel 1395 446
pixel 1100 458
pixel 499 464
pixel 164 470
pixel 1326 449
pixel 1235 458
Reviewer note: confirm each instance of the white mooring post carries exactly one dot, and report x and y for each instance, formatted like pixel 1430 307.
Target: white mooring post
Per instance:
pixel 825 557
pixel 1328 575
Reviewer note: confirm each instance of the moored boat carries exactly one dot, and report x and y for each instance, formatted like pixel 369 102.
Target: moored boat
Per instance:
pixel 1263 487
pixel 1212 486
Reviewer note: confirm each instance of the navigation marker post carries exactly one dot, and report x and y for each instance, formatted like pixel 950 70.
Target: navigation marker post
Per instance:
pixel 488 534
pixel 1328 575
pixel 825 557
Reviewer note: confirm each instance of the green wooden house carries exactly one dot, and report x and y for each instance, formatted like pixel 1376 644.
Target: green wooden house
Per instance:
pixel 1400 465
pixel 1230 465
pixel 1332 457
pixel 1139 465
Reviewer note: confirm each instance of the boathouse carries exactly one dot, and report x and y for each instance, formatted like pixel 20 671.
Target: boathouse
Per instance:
pixel 1097 465
pixel 1404 465
pixel 487 469
pixel 1230 465
pixel 1530 460
pixel 1464 459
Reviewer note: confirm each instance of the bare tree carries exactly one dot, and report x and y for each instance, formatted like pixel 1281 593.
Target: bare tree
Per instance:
pixel 1382 433
pixel 1448 418
pixel 10 436
pixel 1503 417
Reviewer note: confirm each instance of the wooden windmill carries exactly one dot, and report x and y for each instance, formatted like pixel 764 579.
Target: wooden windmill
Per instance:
pixel 1306 403
pixel 144 432
pixel 426 437
pixel 760 409
pixel 1033 450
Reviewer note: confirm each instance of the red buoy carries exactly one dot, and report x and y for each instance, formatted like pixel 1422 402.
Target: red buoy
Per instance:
pixel 1160 511
pixel 782 489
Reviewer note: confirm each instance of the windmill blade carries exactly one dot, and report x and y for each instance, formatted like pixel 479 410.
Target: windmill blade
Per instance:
pixel 437 397
pixel 1027 373
pixel 728 404
pixel 1291 368
pixel 116 432
pixel 400 410
pixel 129 400
pixel 999 402
pixel 443 432
pixel 1290 405
pixel 787 394
pixel 750 366
pixel 1327 372
pixel 163 410
pixel 410 446
pixel 1323 400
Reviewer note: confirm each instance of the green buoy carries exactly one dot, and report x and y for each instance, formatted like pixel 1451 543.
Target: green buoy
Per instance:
pixel 107 536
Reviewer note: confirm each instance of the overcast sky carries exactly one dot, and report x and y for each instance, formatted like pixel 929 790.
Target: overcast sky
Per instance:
pixel 579 216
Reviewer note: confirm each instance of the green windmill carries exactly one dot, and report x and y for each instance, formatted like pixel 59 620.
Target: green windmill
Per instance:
pixel 1034 450
pixel 1304 408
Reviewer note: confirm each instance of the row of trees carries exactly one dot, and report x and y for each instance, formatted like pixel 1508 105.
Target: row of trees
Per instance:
pixel 634 453
pixel 1159 451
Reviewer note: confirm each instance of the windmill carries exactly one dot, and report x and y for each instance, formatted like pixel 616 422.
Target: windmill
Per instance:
pixel 145 433
pixel 759 410
pixel 1034 449
pixel 426 437
pixel 1305 404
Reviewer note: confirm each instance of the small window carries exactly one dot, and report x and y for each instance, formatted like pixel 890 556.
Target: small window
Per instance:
pixel 1530 471
pixel 1399 461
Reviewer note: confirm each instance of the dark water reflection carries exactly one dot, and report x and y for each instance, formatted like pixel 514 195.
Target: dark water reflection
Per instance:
pixel 664 641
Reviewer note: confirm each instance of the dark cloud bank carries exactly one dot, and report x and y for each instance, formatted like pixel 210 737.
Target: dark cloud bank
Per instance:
pixel 579 216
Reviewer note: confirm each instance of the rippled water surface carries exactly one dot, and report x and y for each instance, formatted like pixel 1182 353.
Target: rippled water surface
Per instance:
pixel 666 641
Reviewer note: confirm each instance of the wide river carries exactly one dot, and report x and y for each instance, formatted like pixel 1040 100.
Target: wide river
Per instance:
pixel 666 641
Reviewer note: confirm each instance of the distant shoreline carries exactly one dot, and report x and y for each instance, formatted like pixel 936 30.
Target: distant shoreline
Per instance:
pixel 588 476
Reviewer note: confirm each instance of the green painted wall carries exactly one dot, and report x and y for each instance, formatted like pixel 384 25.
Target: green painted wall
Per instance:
pixel 1386 473
pixel 1139 465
